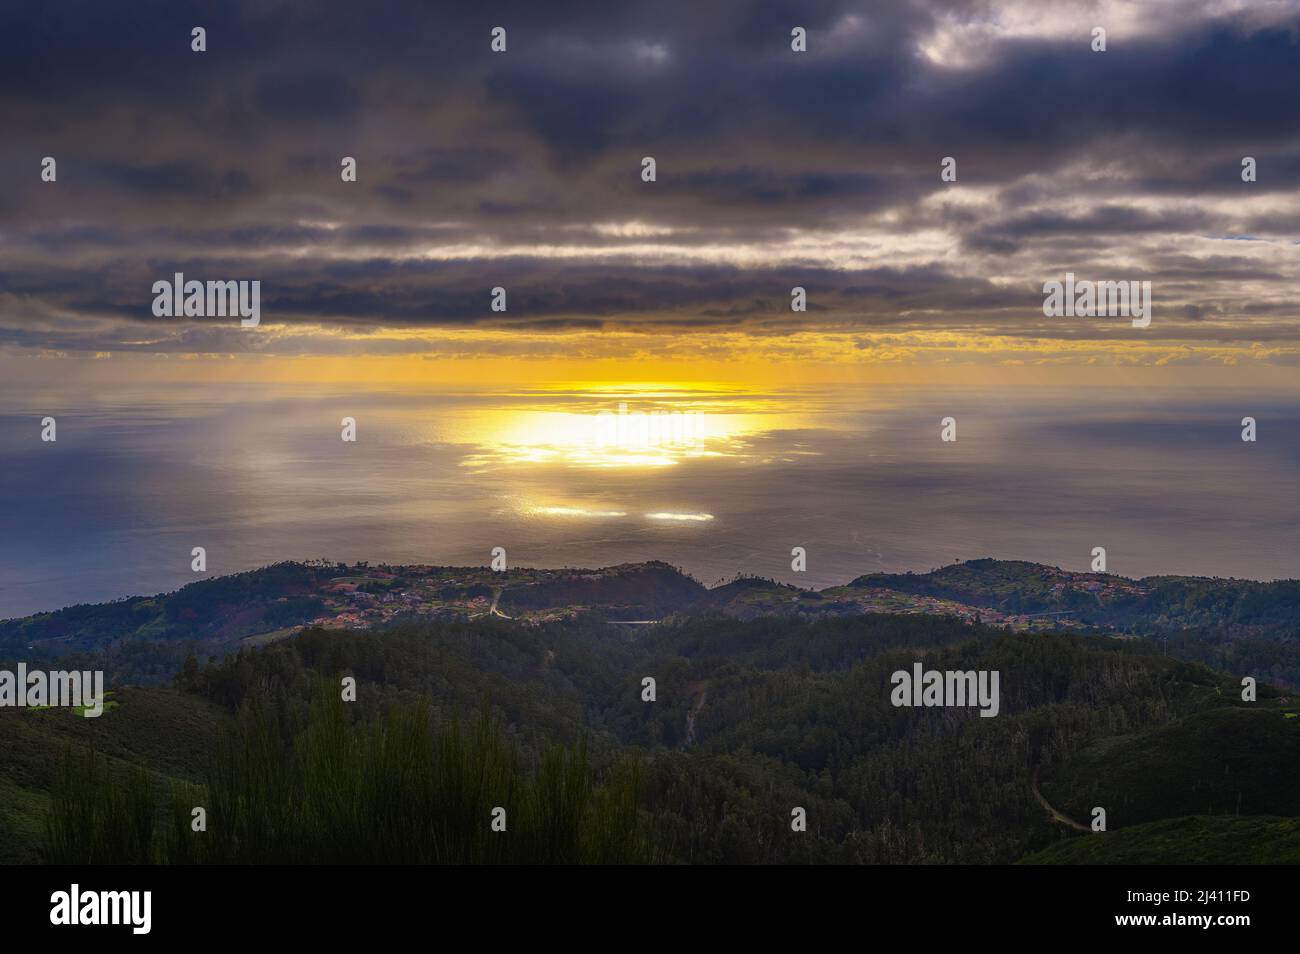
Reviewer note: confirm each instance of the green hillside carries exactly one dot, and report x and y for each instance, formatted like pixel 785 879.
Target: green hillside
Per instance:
pixel 1233 625
pixel 218 609
pixel 641 591
pixel 170 733
pixel 752 719
pixel 1244 607
pixel 1221 761
pixel 1182 841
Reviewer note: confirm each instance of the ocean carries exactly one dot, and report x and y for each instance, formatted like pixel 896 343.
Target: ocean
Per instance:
pixel 718 480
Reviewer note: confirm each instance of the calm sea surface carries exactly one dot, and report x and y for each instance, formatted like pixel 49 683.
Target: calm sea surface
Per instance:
pixel 715 481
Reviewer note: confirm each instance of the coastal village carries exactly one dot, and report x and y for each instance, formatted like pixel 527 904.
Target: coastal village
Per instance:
pixel 366 597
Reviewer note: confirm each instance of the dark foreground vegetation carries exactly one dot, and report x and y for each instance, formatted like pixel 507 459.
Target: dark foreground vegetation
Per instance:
pixel 752 719
pixel 335 790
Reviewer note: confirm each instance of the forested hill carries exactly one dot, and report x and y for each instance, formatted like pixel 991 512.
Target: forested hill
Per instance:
pixel 998 591
pixel 1154 603
pixel 1238 625
pixel 749 720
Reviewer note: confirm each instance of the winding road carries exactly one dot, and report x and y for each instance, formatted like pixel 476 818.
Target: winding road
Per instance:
pixel 493 611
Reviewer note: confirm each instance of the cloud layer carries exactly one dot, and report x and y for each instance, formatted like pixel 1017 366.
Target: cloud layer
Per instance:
pixel 775 169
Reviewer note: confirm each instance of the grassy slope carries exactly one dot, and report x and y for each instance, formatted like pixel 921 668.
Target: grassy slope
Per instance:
pixel 1182 841
pixel 172 733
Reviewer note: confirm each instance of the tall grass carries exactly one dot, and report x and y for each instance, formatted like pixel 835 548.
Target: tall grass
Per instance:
pixel 395 789
pixel 98 818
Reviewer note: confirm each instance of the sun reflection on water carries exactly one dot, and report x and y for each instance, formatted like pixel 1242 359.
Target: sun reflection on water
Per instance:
pixel 639 426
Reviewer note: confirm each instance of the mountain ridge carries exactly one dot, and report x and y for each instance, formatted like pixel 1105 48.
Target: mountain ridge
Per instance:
pixel 1002 592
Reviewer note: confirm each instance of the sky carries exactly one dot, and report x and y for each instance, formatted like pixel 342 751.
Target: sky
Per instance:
pixel 522 169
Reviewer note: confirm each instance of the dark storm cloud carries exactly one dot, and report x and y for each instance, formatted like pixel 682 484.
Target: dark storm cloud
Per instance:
pixel 176 178
pixel 523 169
pixel 386 292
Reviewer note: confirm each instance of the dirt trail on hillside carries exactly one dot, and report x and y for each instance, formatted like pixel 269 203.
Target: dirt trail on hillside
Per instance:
pixel 690 716
pixel 1056 816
